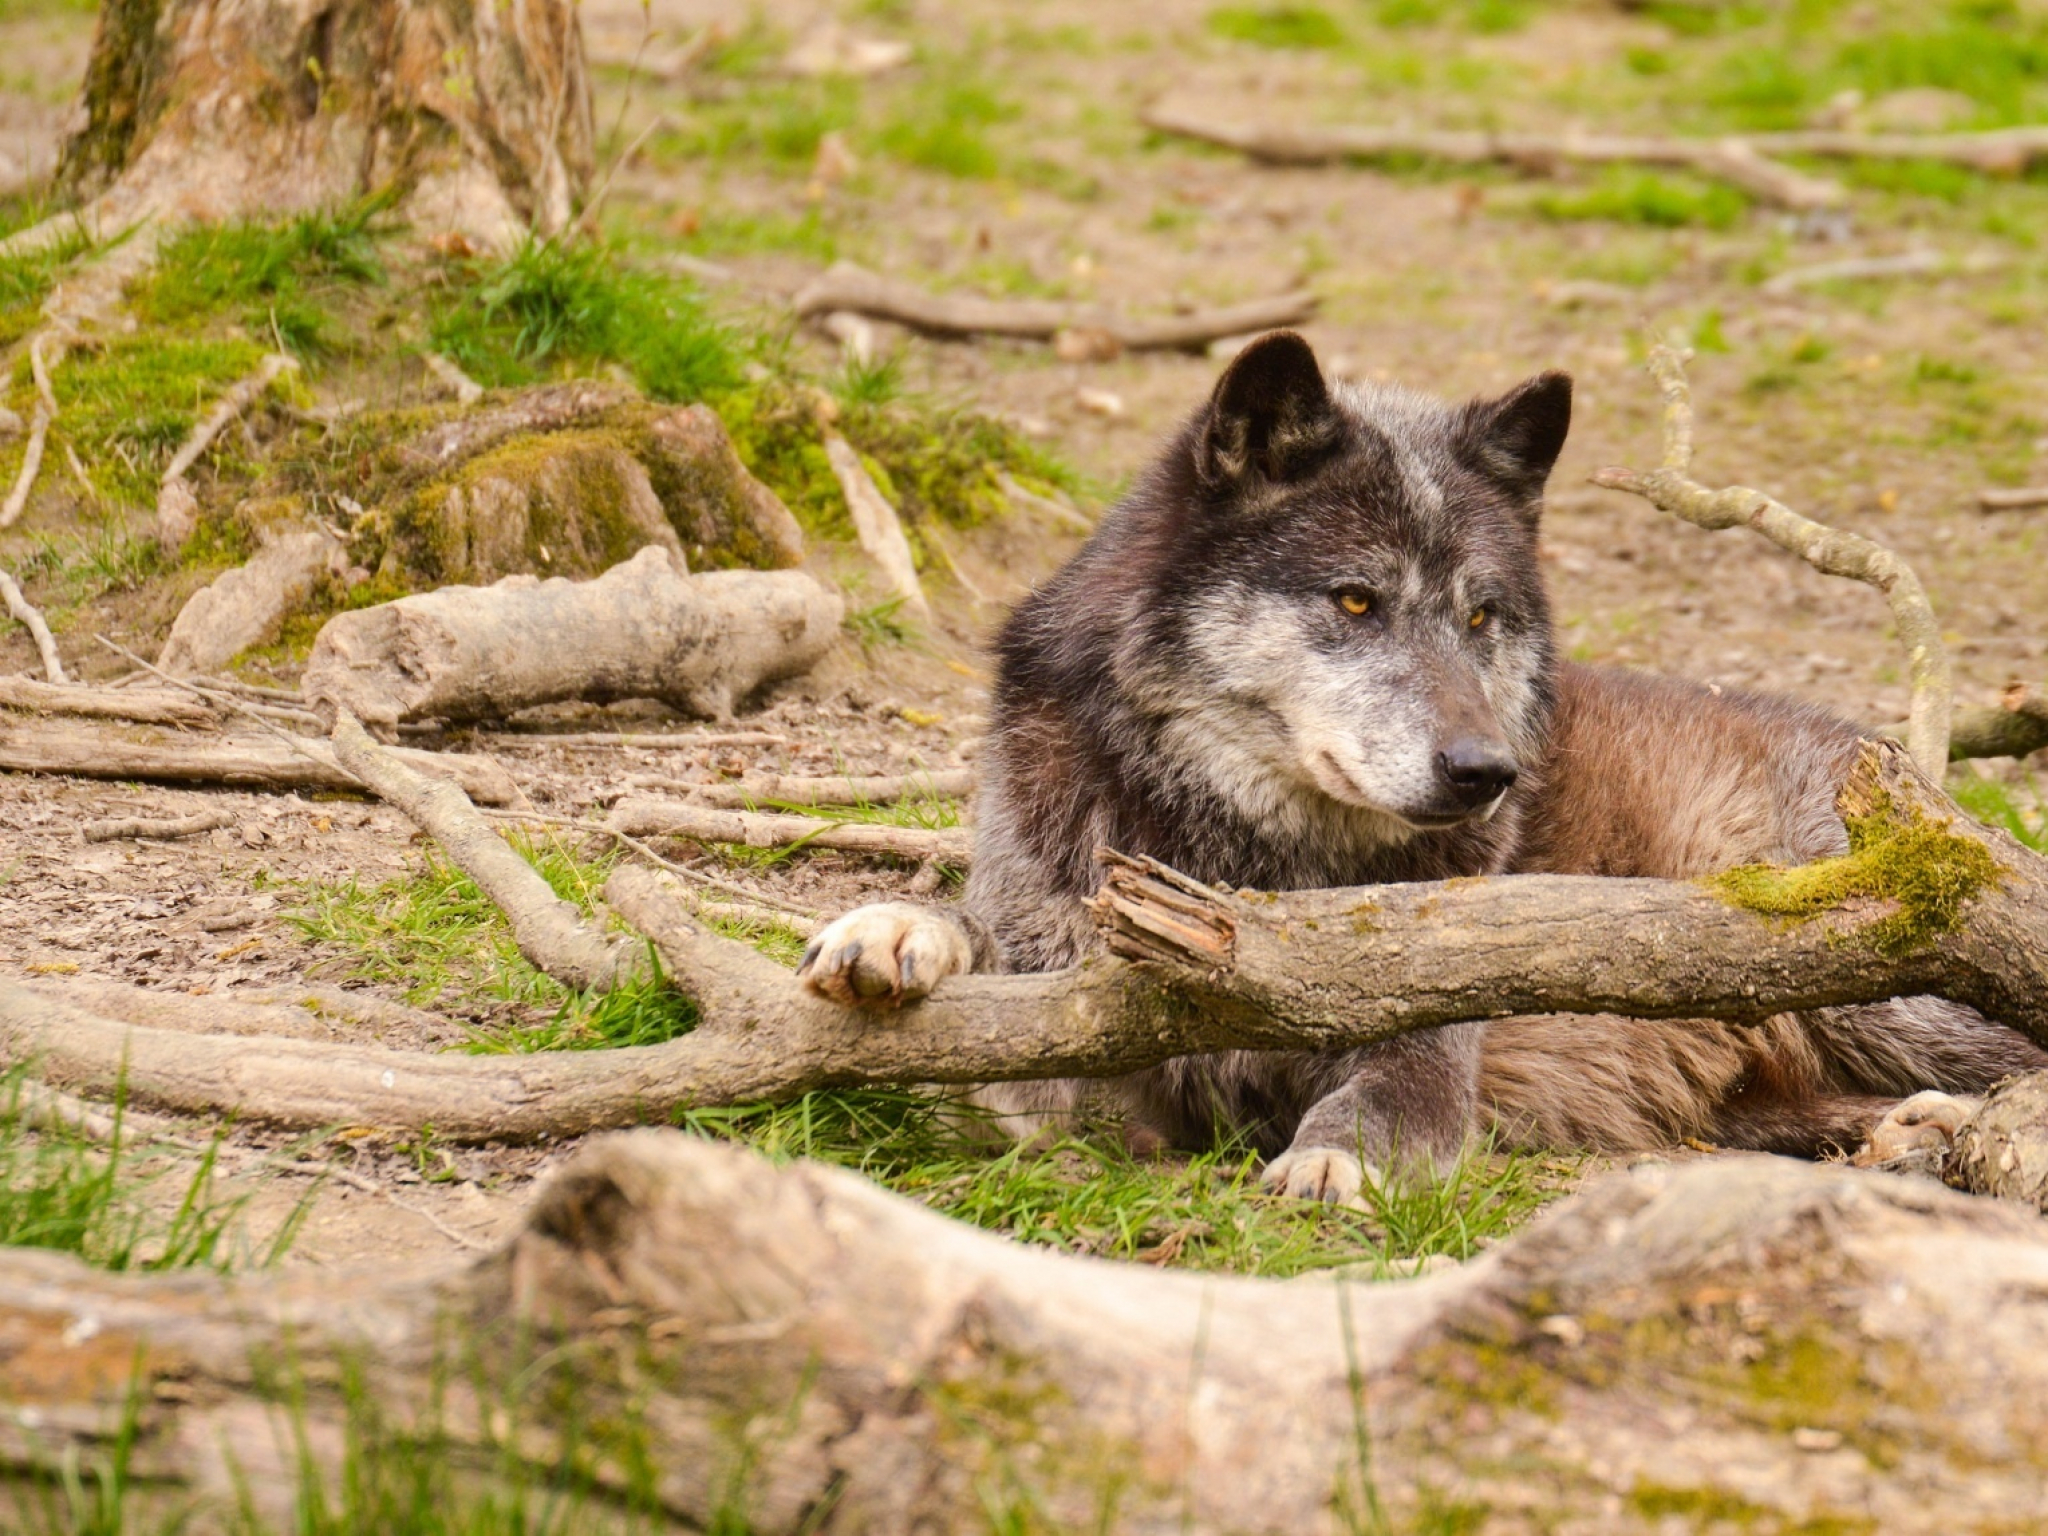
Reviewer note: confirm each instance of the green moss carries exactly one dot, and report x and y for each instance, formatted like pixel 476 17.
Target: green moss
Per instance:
pixel 126 407
pixel 1705 1507
pixel 1277 26
pixel 1927 871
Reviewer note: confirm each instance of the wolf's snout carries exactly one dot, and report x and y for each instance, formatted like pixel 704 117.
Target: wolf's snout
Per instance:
pixel 1477 770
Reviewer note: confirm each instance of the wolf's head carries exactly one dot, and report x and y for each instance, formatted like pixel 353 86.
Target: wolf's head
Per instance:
pixel 1343 592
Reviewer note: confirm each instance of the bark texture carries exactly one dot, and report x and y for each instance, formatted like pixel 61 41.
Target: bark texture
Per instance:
pixel 214 109
pixel 646 629
pixel 1760 1343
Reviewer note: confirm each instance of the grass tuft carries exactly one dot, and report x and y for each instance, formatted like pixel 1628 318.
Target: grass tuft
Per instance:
pixel 1624 196
pixel 1277 26
pixel 552 309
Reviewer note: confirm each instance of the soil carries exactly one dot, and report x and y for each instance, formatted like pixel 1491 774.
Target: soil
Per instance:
pixel 1447 284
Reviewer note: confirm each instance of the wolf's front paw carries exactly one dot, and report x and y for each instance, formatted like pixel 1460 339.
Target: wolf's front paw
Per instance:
pixel 1315 1173
pixel 891 953
pixel 1924 1124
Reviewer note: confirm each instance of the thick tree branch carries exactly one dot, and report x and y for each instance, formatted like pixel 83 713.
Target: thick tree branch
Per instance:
pixel 766 829
pixel 1671 488
pixel 1310 970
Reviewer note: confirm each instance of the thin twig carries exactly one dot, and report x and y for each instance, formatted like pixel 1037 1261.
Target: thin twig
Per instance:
pixel 1671 489
pixel 117 829
pixel 626 840
pixel 216 696
pixel 239 397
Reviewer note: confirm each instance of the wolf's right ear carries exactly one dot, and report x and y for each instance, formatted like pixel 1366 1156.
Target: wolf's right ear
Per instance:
pixel 1270 420
pixel 1517 438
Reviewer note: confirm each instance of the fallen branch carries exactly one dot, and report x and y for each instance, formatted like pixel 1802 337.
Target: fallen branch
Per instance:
pixel 875 523
pixel 550 932
pixel 2014 727
pixel 1670 488
pixel 848 287
pixel 758 829
pixel 1305 970
pixel 26 613
pixel 244 762
pixel 1907 264
pixel 1737 161
pixel 1069 517
pixel 646 629
pixel 149 706
pixel 791 1339
pixel 2021 500
pixel 237 399
pixel 793 789
pixel 676 741
pixel 116 829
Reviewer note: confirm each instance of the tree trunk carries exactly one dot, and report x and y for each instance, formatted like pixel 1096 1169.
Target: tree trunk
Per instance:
pixel 716 1343
pixel 477 110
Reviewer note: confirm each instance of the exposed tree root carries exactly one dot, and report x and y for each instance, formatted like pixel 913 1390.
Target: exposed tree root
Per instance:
pixel 646 629
pixel 2023 499
pixel 761 829
pixel 550 932
pixel 875 523
pixel 794 789
pixel 247 762
pixel 1671 488
pixel 27 614
pixel 785 1340
pixel 1906 264
pixel 1741 162
pixel 151 706
pixel 851 288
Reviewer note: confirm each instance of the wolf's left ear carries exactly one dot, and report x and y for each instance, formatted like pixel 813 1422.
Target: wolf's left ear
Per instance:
pixel 1270 420
pixel 1517 438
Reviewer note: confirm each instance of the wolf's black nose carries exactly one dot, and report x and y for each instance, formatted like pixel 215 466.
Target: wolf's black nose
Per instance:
pixel 1477 770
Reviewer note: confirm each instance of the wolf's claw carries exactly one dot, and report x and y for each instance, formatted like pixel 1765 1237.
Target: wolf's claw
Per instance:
pixel 1315 1173
pixel 889 954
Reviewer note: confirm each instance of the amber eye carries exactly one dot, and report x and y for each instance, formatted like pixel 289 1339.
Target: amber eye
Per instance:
pixel 1478 619
pixel 1357 604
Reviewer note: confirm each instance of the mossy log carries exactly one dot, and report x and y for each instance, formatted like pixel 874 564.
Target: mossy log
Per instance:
pixel 646 629
pixel 216 109
pixel 687 1334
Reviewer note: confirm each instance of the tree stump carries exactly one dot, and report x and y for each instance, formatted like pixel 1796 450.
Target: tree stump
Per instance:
pixel 211 109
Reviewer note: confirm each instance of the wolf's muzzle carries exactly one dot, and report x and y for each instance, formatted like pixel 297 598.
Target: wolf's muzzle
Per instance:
pixel 1476 771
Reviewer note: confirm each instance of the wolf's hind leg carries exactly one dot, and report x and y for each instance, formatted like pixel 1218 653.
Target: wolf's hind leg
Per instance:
pixel 891 953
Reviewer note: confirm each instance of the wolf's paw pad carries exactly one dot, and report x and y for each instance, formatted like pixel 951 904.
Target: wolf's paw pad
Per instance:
pixel 1925 1123
pixel 891 953
pixel 1316 1173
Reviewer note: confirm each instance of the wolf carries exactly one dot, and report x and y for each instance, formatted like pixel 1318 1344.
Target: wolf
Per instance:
pixel 1312 647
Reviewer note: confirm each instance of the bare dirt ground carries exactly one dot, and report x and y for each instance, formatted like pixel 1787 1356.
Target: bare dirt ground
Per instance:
pixel 1881 409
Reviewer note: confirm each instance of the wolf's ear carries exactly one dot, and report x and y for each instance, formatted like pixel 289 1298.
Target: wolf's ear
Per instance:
pixel 1517 438
pixel 1270 420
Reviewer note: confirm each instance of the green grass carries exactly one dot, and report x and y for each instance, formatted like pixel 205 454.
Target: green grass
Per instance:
pixel 1624 196
pixel 126 406
pixel 549 310
pixel 2003 806
pixel 276 280
pixel 1277 26
pixel 1089 1196
pixel 944 125
pixel 26 280
pixel 62 1190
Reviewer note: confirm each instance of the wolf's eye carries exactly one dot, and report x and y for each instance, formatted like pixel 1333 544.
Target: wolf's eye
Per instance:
pixel 1479 618
pixel 1354 602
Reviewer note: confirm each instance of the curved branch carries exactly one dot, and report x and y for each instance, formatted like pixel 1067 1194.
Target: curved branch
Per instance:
pixel 1670 488
pixel 1210 971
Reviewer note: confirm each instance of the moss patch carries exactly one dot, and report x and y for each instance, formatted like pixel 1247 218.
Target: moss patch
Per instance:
pixel 1904 857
